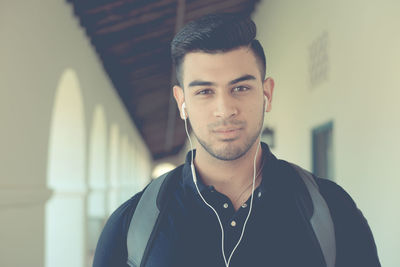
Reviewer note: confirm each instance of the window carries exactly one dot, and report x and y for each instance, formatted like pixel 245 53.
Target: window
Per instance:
pixel 322 147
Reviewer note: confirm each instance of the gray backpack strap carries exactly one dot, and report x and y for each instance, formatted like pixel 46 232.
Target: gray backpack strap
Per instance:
pixel 143 221
pixel 321 219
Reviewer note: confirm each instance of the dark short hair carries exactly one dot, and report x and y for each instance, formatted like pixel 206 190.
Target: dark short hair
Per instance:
pixel 216 33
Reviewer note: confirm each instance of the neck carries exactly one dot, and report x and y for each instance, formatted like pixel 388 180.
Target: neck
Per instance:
pixel 228 177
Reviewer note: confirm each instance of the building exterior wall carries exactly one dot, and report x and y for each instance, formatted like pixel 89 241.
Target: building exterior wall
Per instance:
pixel 41 41
pixel 354 46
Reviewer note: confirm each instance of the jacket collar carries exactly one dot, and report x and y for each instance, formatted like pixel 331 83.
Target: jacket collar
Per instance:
pixel 188 184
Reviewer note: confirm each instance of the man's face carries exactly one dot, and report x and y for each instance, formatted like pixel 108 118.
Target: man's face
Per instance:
pixel 224 96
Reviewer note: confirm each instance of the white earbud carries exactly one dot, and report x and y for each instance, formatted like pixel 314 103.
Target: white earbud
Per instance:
pixel 183 110
pixel 266 102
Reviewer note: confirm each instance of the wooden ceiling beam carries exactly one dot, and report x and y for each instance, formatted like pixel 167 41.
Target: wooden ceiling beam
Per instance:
pixel 192 5
pixel 121 6
pixel 140 73
pixel 129 45
pixel 132 12
pixel 152 78
pixel 152 65
pixel 147 51
pixel 148 103
pixel 162 15
pixel 146 89
pixel 112 38
pixel 97 8
pixel 148 112
pixel 217 7
pixel 138 58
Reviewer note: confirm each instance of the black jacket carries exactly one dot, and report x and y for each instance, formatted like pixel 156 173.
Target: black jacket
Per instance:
pixel 275 235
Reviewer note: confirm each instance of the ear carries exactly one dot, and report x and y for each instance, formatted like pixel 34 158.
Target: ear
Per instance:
pixel 268 89
pixel 179 98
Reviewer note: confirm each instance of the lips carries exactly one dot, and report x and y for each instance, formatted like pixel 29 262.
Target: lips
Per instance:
pixel 228 130
pixel 227 133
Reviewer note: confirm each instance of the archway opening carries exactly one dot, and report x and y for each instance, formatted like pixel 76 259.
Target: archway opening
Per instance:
pixel 97 183
pixel 64 229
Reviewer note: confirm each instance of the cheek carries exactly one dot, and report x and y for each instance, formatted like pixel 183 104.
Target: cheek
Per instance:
pixel 198 121
pixel 201 121
pixel 256 109
pixel 255 114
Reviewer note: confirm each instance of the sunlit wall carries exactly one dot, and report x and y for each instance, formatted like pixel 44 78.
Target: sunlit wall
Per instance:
pixel 339 61
pixel 67 143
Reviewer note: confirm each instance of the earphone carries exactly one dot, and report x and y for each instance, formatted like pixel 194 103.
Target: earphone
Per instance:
pixel 183 110
pixel 227 262
pixel 266 102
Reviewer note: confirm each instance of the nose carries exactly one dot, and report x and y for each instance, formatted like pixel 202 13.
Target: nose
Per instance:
pixel 225 107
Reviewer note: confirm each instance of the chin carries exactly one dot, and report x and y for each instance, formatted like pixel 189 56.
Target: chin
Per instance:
pixel 228 150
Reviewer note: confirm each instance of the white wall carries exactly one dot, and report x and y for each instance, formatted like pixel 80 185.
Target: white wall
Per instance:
pixel 361 95
pixel 40 42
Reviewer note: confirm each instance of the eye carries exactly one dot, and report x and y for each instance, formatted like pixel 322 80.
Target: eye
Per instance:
pixel 240 89
pixel 204 92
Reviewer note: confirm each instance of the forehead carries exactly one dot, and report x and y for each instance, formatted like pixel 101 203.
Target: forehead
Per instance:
pixel 219 67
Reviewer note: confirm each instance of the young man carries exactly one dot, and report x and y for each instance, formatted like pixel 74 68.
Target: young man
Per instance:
pixel 236 204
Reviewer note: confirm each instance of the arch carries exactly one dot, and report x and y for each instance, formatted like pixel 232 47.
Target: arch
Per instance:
pixel 124 177
pixel 96 200
pixel 64 229
pixel 133 167
pixel 114 182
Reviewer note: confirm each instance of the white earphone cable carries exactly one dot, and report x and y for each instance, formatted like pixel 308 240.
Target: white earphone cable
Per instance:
pixel 227 262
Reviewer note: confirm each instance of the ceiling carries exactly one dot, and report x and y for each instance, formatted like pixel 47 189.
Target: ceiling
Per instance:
pixel 132 39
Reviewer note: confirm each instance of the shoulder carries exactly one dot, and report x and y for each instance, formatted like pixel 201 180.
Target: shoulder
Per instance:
pixel 354 239
pixel 340 203
pixel 121 217
pixel 334 192
pixel 111 247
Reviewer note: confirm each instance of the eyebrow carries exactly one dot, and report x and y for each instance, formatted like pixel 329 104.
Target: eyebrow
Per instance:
pixel 246 77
